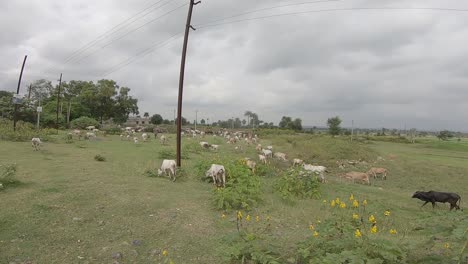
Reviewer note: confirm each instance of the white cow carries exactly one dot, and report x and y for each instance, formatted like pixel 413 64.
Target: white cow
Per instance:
pixel 90 127
pixel 135 140
pixel 205 144
pixel 168 167
pixel 90 135
pixel 258 147
pixel 281 156
pixel 144 136
pixel 218 174
pixel 36 143
pixel 267 153
pixel 297 162
pixel 215 147
pixel 251 164
pixel 269 147
pixel 319 170
pixel 263 159
pixel 163 139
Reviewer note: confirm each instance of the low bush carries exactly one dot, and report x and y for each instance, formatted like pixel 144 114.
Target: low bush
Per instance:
pixel 252 241
pixel 83 122
pixel 242 189
pixel 171 154
pixel 8 175
pixel 112 130
pixel 98 157
pixel 24 131
pixel 295 183
pixel 352 235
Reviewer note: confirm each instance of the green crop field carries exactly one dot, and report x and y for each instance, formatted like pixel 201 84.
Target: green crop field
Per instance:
pixel 68 207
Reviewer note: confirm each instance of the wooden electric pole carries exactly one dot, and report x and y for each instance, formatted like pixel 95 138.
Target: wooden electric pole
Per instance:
pixel 181 79
pixel 58 101
pixel 17 92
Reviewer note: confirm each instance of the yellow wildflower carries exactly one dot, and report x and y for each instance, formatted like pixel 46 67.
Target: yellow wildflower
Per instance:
pixel 387 213
pixel 257 218
pixel 324 201
pixel 268 218
pixel 355 204
pixel 311 227
pixel 373 229
pixel 342 205
pixel 357 233
pixel 355 216
pixel 318 221
pixel 316 234
pixel 372 219
pixel 165 253
pixel 364 202
pixel 447 245
pixel 332 204
pixel 247 218
pixel 239 215
pixel 223 216
pixel 393 231
pixel 337 200
pixel 351 197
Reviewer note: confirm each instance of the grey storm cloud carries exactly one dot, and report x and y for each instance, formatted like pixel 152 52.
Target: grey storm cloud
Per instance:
pixel 380 68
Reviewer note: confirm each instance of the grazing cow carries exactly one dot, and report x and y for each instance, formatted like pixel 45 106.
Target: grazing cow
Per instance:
pixel 218 174
pixel 205 144
pixel 36 143
pixel 375 171
pixel 319 170
pixel 214 147
pixel 163 140
pixel 440 197
pixel 144 136
pixel 267 153
pixel 95 130
pixel 90 127
pixel 297 162
pixel 262 158
pixel 77 133
pixel 270 147
pixel 168 167
pixel 353 175
pixel 251 164
pixel 135 140
pixel 281 156
pixel 258 147
pixel 90 135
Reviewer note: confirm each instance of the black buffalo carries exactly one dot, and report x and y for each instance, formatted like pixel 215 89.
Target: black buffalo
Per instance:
pixel 440 197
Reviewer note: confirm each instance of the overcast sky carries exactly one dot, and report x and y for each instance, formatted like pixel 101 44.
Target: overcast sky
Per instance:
pixel 380 68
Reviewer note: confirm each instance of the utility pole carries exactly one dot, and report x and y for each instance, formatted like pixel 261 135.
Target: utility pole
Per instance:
pixel 58 101
pixel 181 78
pixel 29 93
pixel 352 129
pixel 196 119
pixel 17 92
pixel 174 117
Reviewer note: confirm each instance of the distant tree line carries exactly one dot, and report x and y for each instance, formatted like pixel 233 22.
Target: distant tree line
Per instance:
pixel 101 100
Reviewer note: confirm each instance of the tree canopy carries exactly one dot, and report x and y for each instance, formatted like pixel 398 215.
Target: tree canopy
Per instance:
pixel 334 125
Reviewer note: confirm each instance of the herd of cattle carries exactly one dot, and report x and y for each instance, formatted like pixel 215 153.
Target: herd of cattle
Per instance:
pixel 217 172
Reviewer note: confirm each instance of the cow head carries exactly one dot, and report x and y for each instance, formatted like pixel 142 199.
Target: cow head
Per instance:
pixel 418 195
pixel 160 172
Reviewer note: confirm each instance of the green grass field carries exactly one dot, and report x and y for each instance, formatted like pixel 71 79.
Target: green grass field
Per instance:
pixel 70 208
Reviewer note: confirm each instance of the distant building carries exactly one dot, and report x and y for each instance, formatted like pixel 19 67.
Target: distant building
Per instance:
pixel 134 121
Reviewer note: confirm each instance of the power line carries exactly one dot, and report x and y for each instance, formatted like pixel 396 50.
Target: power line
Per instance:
pixel 142 53
pixel 131 31
pixel 268 8
pixel 113 30
pixel 333 10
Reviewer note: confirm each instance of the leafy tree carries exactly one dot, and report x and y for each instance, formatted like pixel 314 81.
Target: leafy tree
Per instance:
pixel 6 106
pixel 146 114
pixel 202 121
pixel 83 122
pixel 334 125
pixel 285 122
pixel 124 106
pixel 248 114
pixel 297 124
pixel 157 119
pixel 445 135
pixel 244 122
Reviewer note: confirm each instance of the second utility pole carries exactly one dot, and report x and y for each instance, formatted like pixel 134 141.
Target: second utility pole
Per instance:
pixel 58 101
pixel 181 79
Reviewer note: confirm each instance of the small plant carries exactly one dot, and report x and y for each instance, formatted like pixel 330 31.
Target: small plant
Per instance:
pixel 242 189
pixel 68 138
pixel 252 241
pixel 295 183
pixel 170 154
pixel 98 157
pixel 351 234
pixel 8 175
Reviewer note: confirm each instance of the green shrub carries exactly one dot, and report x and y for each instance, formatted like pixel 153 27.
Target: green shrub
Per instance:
pixel 112 130
pixel 98 157
pixel 296 183
pixel 171 154
pixel 242 189
pixel 24 131
pixel 8 175
pixel 266 171
pixel 252 242
pixel 352 235
pixel 68 138
pixel 83 122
